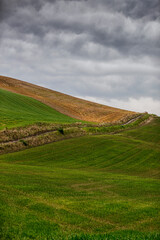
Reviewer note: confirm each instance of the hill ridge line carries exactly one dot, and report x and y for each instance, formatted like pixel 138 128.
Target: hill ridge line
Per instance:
pixel 69 105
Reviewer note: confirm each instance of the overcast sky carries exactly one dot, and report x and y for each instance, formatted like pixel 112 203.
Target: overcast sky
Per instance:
pixel 102 50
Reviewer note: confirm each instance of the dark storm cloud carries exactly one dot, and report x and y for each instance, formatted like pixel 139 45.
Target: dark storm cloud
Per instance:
pixel 135 8
pixel 104 49
pixel 102 26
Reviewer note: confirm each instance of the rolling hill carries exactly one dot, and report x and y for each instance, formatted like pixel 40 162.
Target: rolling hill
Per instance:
pixel 65 104
pixel 68 179
pixel 88 188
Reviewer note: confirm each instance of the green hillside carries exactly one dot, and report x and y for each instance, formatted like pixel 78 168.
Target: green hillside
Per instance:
pixel 93 187
pixel 18 110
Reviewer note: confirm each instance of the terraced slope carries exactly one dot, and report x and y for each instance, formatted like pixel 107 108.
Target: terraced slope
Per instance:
pixel 68 105
pixel 19 110
pixel 97 187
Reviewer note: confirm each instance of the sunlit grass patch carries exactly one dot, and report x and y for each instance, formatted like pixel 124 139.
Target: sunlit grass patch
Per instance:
pixel 18 110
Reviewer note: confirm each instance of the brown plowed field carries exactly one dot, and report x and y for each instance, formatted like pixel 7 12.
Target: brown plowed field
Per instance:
pixel 68 105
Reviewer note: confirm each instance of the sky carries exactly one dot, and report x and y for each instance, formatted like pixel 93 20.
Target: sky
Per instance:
pixel 105 51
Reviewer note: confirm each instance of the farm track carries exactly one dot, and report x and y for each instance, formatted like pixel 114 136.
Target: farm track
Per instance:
pixel 53 135
pixel 55 130
pixel 132 120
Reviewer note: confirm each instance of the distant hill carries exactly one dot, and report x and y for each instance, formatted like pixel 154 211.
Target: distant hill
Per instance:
pixel 63 103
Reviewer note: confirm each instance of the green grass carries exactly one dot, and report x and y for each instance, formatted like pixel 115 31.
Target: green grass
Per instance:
pixel 149 133
pixel 93 187
pixel 18 110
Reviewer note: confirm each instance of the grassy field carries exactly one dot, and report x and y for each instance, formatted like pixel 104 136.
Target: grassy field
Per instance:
pixel 18 110
pixel 93 187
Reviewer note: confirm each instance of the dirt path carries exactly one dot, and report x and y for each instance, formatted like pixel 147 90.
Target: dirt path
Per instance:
pixel 52 135
pixel 132 120
pixel 42 133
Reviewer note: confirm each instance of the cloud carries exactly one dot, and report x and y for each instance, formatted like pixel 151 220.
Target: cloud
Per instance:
pixel 101 49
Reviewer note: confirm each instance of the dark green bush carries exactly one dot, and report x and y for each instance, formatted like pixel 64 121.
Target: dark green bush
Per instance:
pixel 60 130
pixel 24 142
